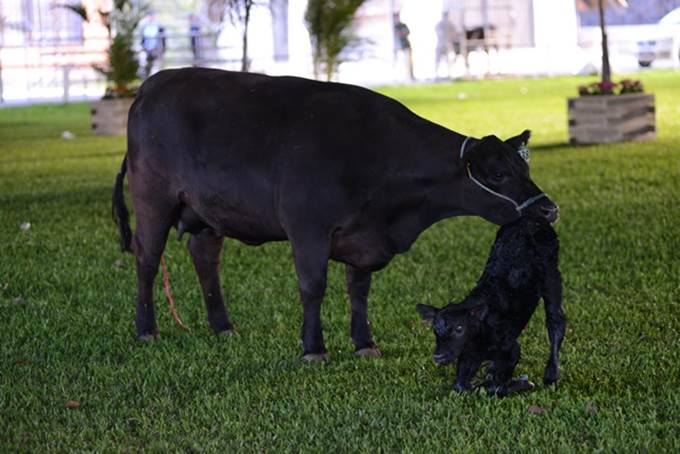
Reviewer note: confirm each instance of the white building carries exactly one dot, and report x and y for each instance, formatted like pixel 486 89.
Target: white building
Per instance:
pixel 529 37
pixel 526 37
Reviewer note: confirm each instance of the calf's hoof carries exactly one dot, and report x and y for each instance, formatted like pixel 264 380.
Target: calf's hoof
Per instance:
pixel 514 386
pixel 551 376
pixel 316 357
pixel 520 385
pixel 462 387
pixel 221 327
pixel 369 352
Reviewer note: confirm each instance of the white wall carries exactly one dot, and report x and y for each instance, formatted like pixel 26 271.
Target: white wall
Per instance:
pixel 555 24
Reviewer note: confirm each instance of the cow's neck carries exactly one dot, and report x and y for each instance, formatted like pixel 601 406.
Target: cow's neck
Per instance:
pixel 439 181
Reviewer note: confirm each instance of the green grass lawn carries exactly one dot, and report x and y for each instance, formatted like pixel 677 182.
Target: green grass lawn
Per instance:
pixel 71 337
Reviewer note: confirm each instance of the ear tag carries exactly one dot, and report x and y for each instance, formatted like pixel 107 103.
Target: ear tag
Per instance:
pixel 524 152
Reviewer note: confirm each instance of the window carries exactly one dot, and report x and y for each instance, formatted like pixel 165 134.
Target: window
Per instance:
pixel 39 22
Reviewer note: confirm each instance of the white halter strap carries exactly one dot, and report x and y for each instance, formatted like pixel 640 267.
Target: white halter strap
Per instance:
pixel 462 147
pixel 518 206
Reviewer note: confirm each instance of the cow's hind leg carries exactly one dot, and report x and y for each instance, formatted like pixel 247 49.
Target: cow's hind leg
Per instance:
pixel 149 239
pixel 205 248
pixel 358 286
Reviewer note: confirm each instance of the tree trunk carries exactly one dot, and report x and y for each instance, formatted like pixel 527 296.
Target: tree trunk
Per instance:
pixel 330 67
pixel 606 70
pixel 245 64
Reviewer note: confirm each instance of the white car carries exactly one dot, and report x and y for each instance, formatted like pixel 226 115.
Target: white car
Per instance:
pixel 663 41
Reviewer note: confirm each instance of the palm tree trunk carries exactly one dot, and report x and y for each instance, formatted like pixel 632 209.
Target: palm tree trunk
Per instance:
pixel 244 59
pixel 606 69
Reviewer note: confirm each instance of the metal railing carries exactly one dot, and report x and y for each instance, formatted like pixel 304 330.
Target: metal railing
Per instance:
pixel 49 71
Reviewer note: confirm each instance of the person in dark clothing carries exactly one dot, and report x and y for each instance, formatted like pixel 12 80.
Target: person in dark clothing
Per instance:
pixel 403 43
pixel 153 44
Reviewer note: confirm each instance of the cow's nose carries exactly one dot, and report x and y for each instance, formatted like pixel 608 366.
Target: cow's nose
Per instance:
pixel 550 212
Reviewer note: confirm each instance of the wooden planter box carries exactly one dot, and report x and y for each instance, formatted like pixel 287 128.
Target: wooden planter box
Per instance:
pixel 109 116
pixel 611 118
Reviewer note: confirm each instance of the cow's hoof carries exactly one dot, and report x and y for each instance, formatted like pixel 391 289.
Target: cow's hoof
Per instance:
pixel 369 352
pixel 316 357
pixel 226 333
pixel 218 327
pixel 147 337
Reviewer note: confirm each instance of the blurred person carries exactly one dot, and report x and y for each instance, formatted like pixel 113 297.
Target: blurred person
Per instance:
pixel 153 44
pixel 446 35
pixel 402 33
pixel 195 38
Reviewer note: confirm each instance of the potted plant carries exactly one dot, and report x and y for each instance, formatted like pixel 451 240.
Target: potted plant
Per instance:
pixel 109 116
pixel 606 111
pixel 329 24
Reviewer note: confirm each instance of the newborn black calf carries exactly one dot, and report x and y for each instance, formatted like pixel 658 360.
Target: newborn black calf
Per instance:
pixel 522 268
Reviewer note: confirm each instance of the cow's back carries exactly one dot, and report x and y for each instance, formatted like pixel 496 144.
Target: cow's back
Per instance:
pixel 248 141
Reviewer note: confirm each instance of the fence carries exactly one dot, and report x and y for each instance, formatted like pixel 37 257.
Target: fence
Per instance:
pixel 44 71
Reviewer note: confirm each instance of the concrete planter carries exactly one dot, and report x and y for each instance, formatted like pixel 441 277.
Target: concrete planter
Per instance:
pixel 109 116
pixel 611 118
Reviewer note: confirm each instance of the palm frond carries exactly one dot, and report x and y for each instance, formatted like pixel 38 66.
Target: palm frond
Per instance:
pixel 80 10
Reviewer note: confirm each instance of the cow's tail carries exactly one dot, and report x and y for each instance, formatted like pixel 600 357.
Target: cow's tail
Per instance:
pixel 120 211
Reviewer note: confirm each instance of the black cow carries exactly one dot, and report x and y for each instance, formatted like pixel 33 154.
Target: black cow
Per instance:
pixel 522 268
pixel 341 172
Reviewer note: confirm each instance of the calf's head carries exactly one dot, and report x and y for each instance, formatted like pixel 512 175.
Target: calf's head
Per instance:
pixel 452 326
pixel 498 187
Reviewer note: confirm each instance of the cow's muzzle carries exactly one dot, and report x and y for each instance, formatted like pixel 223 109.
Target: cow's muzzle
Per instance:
pixel 550 211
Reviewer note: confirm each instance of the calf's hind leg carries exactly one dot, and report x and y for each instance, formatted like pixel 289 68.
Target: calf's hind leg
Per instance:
pixel 205 248
pixel 358 286
pixel 555 323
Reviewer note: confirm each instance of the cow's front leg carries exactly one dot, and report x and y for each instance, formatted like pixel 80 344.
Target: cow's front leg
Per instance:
pixel 358 286
pixel 311 263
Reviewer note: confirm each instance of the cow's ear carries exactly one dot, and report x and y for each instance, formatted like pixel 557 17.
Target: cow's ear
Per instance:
pixel 519 141
pixel 427 312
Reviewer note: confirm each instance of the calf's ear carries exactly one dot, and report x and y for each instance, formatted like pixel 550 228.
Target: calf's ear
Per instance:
pixel 519 141
pixel 426 312
pixel 479 312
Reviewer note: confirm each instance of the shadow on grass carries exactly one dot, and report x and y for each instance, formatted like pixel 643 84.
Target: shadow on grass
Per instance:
pixel 555 146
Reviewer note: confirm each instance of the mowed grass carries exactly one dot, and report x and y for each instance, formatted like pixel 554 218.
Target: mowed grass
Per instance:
pixel 67 307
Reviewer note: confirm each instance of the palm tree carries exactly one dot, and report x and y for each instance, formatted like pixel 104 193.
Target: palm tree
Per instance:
pixel 121 22
pixel 600 5
pixel 329 23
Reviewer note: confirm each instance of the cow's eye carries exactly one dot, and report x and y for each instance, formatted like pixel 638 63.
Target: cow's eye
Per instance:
pixel 459 329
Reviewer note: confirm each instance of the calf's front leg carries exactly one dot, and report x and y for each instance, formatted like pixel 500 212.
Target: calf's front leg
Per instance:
pixel 468 365
pixel 503 367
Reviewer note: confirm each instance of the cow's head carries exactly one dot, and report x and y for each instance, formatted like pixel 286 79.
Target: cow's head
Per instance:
pixel 452 325
pixel 498 187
